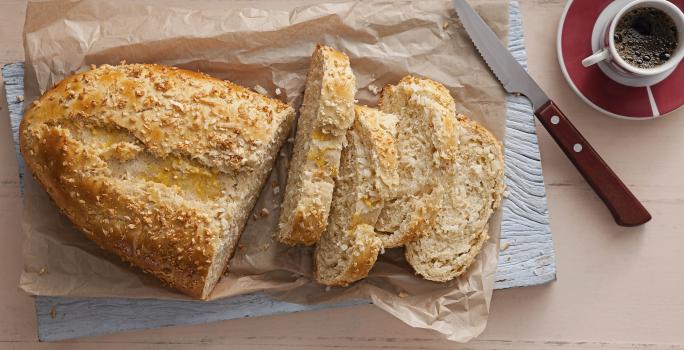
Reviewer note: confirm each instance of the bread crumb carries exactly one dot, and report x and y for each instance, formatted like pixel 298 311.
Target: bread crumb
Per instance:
pixel 445 25
pixel 92 66
pixel 276 190
pixel 290 139
pixel 327 288
pixel 373 89
pixel 260 89
pixel 508 259
pixel 255 216
pixel 506 194
pixel 277 91
pixel 53 312
pixel 264 212
pixel 403 294
pixel 504 246
pixel 20 98
pixel 42 271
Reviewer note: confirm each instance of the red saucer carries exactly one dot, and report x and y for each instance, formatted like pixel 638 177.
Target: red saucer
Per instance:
pixel 593 86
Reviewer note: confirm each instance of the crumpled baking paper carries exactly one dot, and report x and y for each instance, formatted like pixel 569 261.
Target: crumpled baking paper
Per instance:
pixel 266 44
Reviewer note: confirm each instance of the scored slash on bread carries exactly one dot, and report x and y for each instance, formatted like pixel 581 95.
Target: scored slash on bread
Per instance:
pixel 349 246
pixel 159 165
pixel 326 113
pixel 450 163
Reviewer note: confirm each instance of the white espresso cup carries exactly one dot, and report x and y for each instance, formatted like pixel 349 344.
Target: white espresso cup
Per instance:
pixel 609 53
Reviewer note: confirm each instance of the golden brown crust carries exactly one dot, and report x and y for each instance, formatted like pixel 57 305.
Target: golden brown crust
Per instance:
pixel 156 164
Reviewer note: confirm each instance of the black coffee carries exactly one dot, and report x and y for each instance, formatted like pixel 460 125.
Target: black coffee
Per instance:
pixel 646 37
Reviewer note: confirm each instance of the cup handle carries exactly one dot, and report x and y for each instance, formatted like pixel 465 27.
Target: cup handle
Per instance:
pixel 597 57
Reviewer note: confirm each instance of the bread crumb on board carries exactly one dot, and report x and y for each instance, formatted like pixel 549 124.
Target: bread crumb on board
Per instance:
pixel 373 89
pixel 277 91
pixel 260 89
pixel 504 246
pixel 20 98
pixel 53 312
pixel 42 271
pixel 264 212
pixel 403 294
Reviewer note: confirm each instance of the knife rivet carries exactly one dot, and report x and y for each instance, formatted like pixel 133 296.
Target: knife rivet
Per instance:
pixel 577 148
pixel 555 120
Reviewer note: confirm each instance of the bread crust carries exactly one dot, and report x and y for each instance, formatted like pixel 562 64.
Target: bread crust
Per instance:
pixel 158 165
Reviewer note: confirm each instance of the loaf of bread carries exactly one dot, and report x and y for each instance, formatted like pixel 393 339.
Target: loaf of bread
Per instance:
pixel 349 246
pixel 451 162
pixel 158 165
pixel 326 113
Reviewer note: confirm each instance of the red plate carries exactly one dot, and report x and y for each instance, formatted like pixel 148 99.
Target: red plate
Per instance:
pixel 574 43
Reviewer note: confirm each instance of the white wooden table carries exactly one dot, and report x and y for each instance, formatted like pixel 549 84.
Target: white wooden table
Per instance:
pixel 618 288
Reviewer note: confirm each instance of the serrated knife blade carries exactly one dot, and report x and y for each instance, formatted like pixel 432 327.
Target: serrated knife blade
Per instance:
pixel 623 205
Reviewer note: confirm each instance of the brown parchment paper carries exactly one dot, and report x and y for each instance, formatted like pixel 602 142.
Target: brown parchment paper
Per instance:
pixel 267 44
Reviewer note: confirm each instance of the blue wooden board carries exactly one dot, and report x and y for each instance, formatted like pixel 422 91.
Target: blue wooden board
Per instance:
pixel 527 256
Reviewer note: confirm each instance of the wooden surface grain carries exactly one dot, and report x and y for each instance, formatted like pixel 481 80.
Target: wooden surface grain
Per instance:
pixel 619 288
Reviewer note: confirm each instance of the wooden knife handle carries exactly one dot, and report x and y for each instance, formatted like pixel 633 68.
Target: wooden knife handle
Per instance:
pixel 626 209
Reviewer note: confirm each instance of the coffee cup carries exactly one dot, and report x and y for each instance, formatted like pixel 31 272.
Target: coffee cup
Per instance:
pixel 625 66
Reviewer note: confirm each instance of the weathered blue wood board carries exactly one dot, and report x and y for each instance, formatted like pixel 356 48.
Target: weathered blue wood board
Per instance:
pixel 526 258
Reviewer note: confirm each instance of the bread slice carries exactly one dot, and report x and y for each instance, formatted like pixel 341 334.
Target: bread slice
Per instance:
pixel 349 247
pixel 466 207
pixel 426 112
pixel 159 165
pixel 462 164
pixel 326 114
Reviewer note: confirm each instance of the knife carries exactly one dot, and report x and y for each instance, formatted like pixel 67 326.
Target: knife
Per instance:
pixel 625 207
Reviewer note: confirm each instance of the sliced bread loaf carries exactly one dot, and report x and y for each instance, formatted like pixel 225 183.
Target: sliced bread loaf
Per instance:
pixel 451 168
pixel 326 113
pixel 368 175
